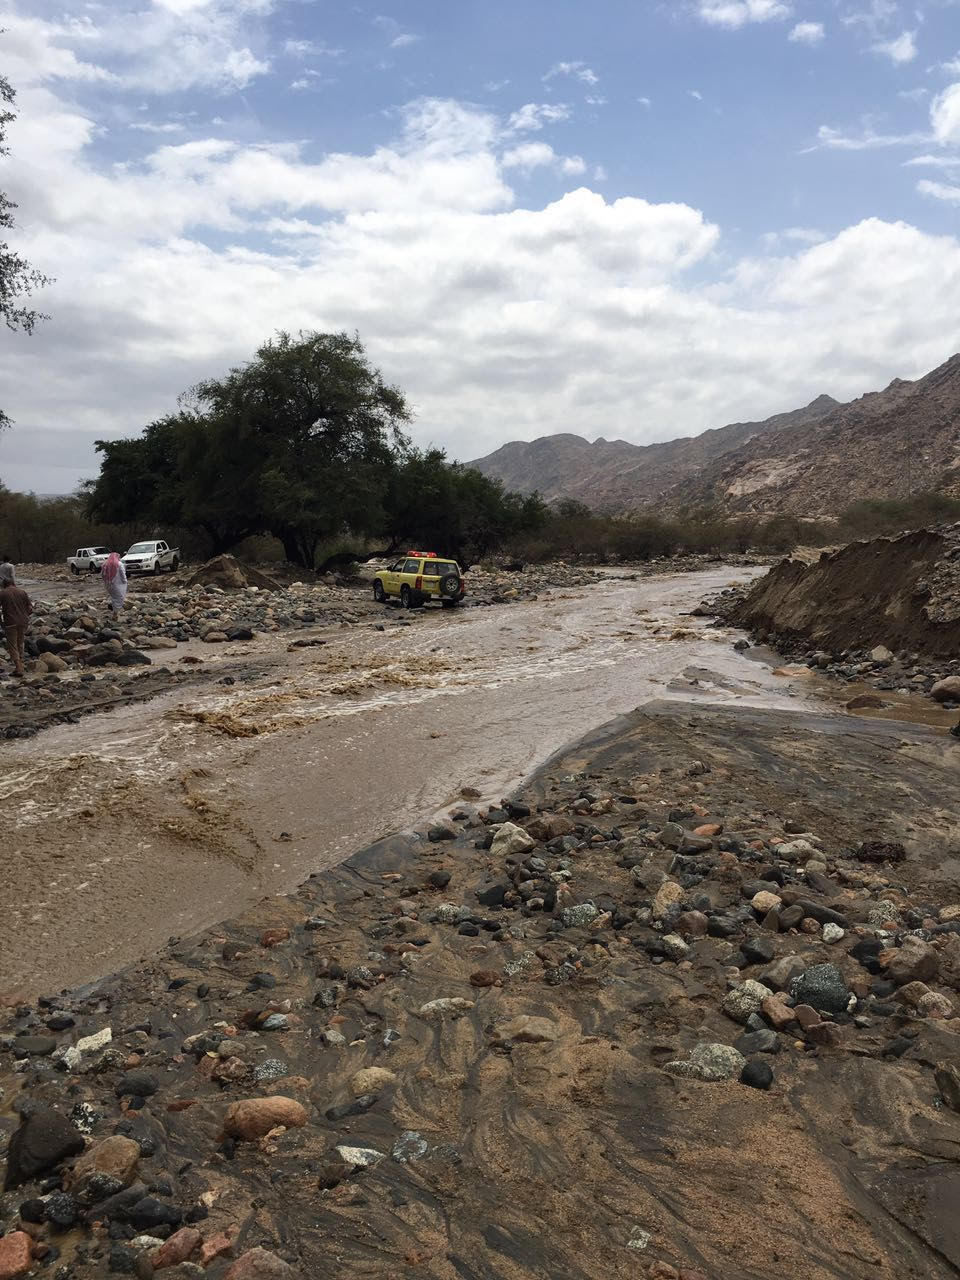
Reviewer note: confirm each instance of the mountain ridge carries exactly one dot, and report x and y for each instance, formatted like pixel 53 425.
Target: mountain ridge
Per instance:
pixel 809 461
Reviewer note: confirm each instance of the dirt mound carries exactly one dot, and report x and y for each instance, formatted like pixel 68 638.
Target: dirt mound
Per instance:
pixel 900 592
pixel 227 571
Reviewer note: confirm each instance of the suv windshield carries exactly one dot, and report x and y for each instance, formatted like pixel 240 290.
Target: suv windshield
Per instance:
pixel 140 547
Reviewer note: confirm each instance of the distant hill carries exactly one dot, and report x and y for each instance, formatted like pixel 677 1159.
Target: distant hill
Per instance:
pixel 813 461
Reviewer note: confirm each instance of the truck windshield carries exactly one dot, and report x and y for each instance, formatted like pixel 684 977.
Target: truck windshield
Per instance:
pixel 139 548
pixel 100 551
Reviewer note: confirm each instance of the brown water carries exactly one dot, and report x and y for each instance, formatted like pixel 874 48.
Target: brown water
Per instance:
pixel 160 818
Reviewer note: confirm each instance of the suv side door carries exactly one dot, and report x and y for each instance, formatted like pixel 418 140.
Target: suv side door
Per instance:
pixel 391 578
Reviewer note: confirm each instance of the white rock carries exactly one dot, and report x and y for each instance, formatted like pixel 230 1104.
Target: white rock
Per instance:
pixel 446 1007
pixel 510 839
pixel 359 1157
pixel 89 1044
pixel 832 932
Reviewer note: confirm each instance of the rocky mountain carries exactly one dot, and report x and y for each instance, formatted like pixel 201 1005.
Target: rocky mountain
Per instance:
pixel 813 461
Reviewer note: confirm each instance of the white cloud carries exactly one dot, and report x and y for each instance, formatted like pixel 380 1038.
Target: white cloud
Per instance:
pixel 914 95
pixel 532 116
pixel 952 67
pixel 737 13
pixel 499 320
pixel 900 50
pixel 869 140
pixel 793 235
pixel 696 94
pixel 310 49
pixel 644 102
pixel 403 40
pixel 945 115
pixel 579 70
pixel 807 33
pixel 538 155
pixel 939 191
pixel 935 162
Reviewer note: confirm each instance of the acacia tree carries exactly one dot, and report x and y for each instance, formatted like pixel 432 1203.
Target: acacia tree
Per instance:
pixel 299 443
pixel 17 278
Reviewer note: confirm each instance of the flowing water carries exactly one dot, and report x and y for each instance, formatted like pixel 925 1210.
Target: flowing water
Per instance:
pixel 162 817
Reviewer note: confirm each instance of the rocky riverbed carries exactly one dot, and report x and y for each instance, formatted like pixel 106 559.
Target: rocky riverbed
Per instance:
pixel 684 1006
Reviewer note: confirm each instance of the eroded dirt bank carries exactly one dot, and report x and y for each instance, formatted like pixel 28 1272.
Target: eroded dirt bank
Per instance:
pixel 903 593
pixel 516 1049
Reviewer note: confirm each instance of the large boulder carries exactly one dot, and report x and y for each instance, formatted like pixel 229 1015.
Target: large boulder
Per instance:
pixel 251 1118
pixel 947 690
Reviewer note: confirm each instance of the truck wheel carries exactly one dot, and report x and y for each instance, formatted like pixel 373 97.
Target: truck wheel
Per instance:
pixel 93 569
pixel 378 592
pixel 175 564
pixel 157 568
pixel 405 597
pixel 75 571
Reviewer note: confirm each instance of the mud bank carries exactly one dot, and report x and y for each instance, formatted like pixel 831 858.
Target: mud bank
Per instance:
pixel 903 593
pixel 512 1046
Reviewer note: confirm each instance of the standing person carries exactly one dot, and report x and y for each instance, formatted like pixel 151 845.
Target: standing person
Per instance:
pixel 7 570
pixel 115 580
pixel 16 608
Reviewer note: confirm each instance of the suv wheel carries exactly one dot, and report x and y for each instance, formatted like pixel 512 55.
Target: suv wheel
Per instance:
pixel 406 599
pixel 378 592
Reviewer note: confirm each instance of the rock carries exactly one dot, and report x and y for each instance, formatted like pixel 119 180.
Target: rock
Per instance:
pixel 579 915
pixel 710 1062
pixel 61 1210
pixel 251 1118
pixel 99 1040
pixel 823 987
pixel 409 1146
pixel 258 1264
pixel 43 1139
pixel 765 901
pixel 947 1076
pixel 137 1084
pixel 782 972
pixel 673 946
pixel 832 932
pixel 669 895
pixel 35 1046
pixel 758 950
pixel 16 1257
pixel 947 690
pixel 485 978
pixel 359 1157
pixel 765 1041
pixel 915 960
pixel 371 1080
pixel 778 1014
pixel 692 923
pixel 445 1007
pixel 183 1244
pixel 744 999
pixel 881 654
pixel 526 1029
pixel 806 1016
pixel 935 1005
pixel 510 839
pixel 758 1075
pixel 490 894
pixel 215 1247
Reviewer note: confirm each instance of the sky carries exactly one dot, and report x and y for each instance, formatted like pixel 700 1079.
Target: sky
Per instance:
pixel 624 218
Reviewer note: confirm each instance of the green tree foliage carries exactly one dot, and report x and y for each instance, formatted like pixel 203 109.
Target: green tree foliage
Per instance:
pixel 453 509
pixel 890 515
pixel 17 278
pixel 299 442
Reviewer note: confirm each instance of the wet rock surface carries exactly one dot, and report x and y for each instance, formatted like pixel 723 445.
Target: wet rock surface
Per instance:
pixel 383 1074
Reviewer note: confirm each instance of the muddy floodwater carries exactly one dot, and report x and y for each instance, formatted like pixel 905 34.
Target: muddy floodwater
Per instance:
pixel 162 817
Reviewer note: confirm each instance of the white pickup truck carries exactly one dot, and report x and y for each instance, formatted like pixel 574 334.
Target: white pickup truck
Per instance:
pixel 88 559
pixel 151 557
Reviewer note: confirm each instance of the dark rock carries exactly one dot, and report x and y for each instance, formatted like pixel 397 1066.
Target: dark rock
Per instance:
pixel 61 1210
pixel 823 988
pixel 44 1138
pixel 33 1046
pixel 757 950
pixel 355 1108
pixel 137 1084
pixel 765 1041
pixel 758 1075
pixel 439 879
pixel 790 917
pixel 32 1211
pixel 493 893
pixel 149 1212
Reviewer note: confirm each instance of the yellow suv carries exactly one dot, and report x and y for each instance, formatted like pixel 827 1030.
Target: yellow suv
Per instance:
pixel 420 576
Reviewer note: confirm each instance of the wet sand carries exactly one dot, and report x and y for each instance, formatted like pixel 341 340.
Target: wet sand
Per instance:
pixel 157 819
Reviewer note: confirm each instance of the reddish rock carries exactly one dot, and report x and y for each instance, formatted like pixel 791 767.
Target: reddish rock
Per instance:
pixel 216 1247
pixel 692 924
pixel 548 826
pixel 778 1014
pixel 708 829
pixel 484 978
pixel 258 1264
pixel 272 937
pixel 251 1118
pixel 806 1016
pixel 15 1255
pixel 182 1245
pixel 116 1156
pixel 914 961
pixel 824 1034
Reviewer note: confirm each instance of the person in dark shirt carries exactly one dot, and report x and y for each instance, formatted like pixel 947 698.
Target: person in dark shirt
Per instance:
pixel 15 609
